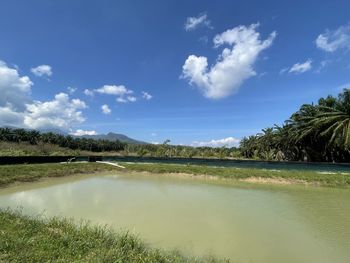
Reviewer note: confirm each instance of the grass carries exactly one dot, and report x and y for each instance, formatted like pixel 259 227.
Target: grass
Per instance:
pixel 44 149
pixel 28 239
pixel 32 172
pixel 27 149
pixel 292 176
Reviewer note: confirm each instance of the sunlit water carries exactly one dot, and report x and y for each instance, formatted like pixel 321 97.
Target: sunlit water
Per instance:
pixel 242 222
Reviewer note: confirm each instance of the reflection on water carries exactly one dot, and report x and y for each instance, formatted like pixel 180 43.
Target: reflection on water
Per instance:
pixel 245 223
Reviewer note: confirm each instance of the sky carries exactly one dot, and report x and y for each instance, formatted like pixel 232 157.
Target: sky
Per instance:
pixel 195 72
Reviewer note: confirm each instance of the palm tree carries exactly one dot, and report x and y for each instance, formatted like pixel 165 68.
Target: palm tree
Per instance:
pixel 335 121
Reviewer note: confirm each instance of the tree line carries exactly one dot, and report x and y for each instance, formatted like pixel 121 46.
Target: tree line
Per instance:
pixel 75 143
pixel 319 132
pixel 88 144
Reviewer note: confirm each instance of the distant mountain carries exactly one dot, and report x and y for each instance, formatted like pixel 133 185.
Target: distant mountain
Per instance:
pixel 111 136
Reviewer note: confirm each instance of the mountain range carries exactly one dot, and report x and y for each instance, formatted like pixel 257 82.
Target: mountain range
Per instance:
pixel 111 136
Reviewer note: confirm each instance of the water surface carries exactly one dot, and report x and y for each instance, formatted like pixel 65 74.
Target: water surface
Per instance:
pixel 243 222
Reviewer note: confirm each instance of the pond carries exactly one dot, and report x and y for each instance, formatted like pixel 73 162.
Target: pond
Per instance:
pixel 242 222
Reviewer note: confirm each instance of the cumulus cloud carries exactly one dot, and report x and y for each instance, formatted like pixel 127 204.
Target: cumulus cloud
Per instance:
pixel 122 100
pixel 60 112
pixel 114 90
pixel 71 90
pixel 194 22
pixel 126 99
pixel 332 40
pixel 9 116
pixel 298 68
pixel 146 95
pixel 232 67
pixel 88 92
pixel 14 89
pixel 121 92
pixel 131 98
pixel 105 109
pixel 42 70
pixel 17 108
pixel 80 132
pixel 226 142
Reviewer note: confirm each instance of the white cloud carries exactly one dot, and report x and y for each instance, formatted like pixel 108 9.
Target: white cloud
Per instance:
pixel 232 67
pixel 82 133
pixel 71 90
pixel 323 64
pixel 114 90
pixel 9 116
pixel 121 100
pixel 42 70
pixel 131 98
pixel 126 99
pixel 105 109
pixel 123 94
pixel 332 40
pixel 17 108
pixel 227 142
pixel 61 112
pixel 146 95
pixel 301 67
pixel 88 92
pixel 194 22
pixel 284 70
pixel 14 89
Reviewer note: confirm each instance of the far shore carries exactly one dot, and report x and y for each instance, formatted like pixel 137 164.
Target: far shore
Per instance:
pixel 15 174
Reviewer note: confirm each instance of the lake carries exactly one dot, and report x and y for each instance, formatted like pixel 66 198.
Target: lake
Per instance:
pixel 242 222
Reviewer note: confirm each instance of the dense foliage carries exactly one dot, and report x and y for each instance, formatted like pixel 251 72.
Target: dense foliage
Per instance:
pixel 34 137
pixel 318 132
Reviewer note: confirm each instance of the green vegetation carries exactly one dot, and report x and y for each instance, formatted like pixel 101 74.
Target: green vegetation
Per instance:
pixel 40 149
pixel 34 137
pixel 26 239
pixel 32 172
pixel 45 149
pixel 318 132
pixel 293 176
pixel 21 142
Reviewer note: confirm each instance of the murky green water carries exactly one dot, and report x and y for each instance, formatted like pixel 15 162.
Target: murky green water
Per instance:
pixel 246 223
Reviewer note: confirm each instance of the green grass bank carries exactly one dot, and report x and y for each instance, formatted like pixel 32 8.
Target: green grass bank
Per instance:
pixel 32 172
pixel 248 174
pixel 28 239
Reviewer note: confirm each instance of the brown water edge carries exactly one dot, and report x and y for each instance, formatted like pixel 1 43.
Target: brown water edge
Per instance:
pixel 253 179
pixel 46 181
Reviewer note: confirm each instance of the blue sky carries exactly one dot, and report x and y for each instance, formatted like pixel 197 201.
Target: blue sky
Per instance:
pixel 194 72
